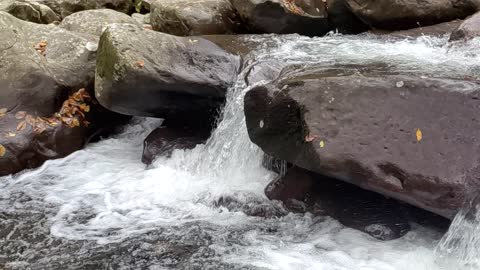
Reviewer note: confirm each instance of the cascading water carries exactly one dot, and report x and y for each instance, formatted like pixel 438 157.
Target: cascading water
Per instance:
pixel 100 208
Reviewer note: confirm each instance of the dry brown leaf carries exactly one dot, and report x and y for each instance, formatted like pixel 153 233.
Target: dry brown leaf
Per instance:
pixel 3 150
pixel 75 122
pixel 30 120
pixel 84 107
pixel 310 138
pixel 20 115
pixel 3 110
pixel 140 63
pixel 21 126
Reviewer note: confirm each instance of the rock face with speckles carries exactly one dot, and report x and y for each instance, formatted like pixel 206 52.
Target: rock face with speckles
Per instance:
pixel 381 130
pixel 468 29
pixel 188 18
pixel 406 14
pixel 94 22
pixel 147 73
pixel 41 65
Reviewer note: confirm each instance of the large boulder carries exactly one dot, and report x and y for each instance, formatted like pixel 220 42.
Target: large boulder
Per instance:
pixel 44 111
pixel 187 18
pixel 375 128
pixel 307 17
pixel 406 14
pixel 147 73
pixel 468 29
pixel 283 16
pixel 436 30
pixel 67 7
pixel 30 10
pixel 94 21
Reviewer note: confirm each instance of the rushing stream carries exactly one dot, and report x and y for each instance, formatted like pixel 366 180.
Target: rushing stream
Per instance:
pixel 101 208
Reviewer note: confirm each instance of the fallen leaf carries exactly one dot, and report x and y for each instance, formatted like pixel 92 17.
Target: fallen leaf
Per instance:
pixel 30 120
pixel 140 63
pixel 419 135
pixel 75 122
pixel 322 144
pixel 21 126
pixel 310 138
pixel 3 110
pixel 10 135
pixel 2 150
pixel 84 107
pixel 20 115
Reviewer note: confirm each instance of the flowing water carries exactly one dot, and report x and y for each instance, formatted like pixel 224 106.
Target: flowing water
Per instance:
pixel 101 208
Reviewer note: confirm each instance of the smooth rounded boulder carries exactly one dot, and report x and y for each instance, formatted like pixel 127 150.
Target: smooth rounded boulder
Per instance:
pixel 94 22
pixel 188 18
pixel 28 10
pixel 46 108
pixel 406 14
pixel 147 73
pixel 468 29
pixel 380 130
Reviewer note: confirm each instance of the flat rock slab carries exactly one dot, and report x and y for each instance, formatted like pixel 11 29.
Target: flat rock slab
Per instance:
pixel 407 136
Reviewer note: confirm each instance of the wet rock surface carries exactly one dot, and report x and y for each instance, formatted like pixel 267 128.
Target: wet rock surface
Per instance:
pixel 43 67
pixel 188 18
pixel 400 14
pixel 468 29
pixel 146 73
pixel 379 130
pixel 366 211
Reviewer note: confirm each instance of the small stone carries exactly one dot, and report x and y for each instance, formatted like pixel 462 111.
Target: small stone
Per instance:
pixel 400 84
pixel 91 46
pixel 261 124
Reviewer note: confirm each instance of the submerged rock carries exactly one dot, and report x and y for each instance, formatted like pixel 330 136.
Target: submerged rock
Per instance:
pixel 41 66
pixel 187 18
pixel 401 14
pixel 468 29
pixel 377 129
pixel 146 73
pixel 382 218
pixel 164 140
pixel 94 22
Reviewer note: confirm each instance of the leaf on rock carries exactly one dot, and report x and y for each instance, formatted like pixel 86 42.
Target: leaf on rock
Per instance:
pixel 322 144
pixel 310 138
pixel 10 135
pixel 419 135
pixel 2 150
pixel 140 63
pixel 75 122
pixel 3 111
pixel 20 115
pixel 30 120
pixel 21 126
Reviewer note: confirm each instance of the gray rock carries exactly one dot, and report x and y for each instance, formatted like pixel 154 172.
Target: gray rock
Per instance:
pixel 94 22
pixel 68 7
pixel 377 129
pixel 187 18
pixel 468 29
pixel 141 18
pixel 29 10
pixel 143 72
pixel 41 66
pixel 406 14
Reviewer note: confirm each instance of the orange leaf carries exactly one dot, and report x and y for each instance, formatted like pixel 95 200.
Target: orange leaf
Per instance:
pixel 140 63
pixel 3 110
pixel 419 135
pixel 75 122
pixel 310 138
pixel 20 115
pixel 2 150
pixel 21 126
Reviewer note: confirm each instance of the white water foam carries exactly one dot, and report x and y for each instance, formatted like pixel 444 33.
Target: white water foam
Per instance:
pixel 105 194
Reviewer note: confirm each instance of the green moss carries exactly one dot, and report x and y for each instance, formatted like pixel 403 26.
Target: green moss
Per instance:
pixel 107 57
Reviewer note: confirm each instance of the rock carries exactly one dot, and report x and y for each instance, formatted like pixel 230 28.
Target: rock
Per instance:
pixel 284 16
pixel 142 18
pixel 94 22
pixel 382 218
pixel 187 18
pixel 377 129
pixel 164 140
pixel 437 30
pixel 401 14
pixel 41 66
pixel 468 29
pixel 29 10
pixel 68 7
pixel 146 73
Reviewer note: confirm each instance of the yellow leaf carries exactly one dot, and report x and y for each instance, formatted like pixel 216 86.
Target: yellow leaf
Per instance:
pixel 10 135
pixel 419 135
pixel 21 126
pixel 3 110
pixel 2 150
pixel 20 115
pixel 322 144
pixel 75 122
